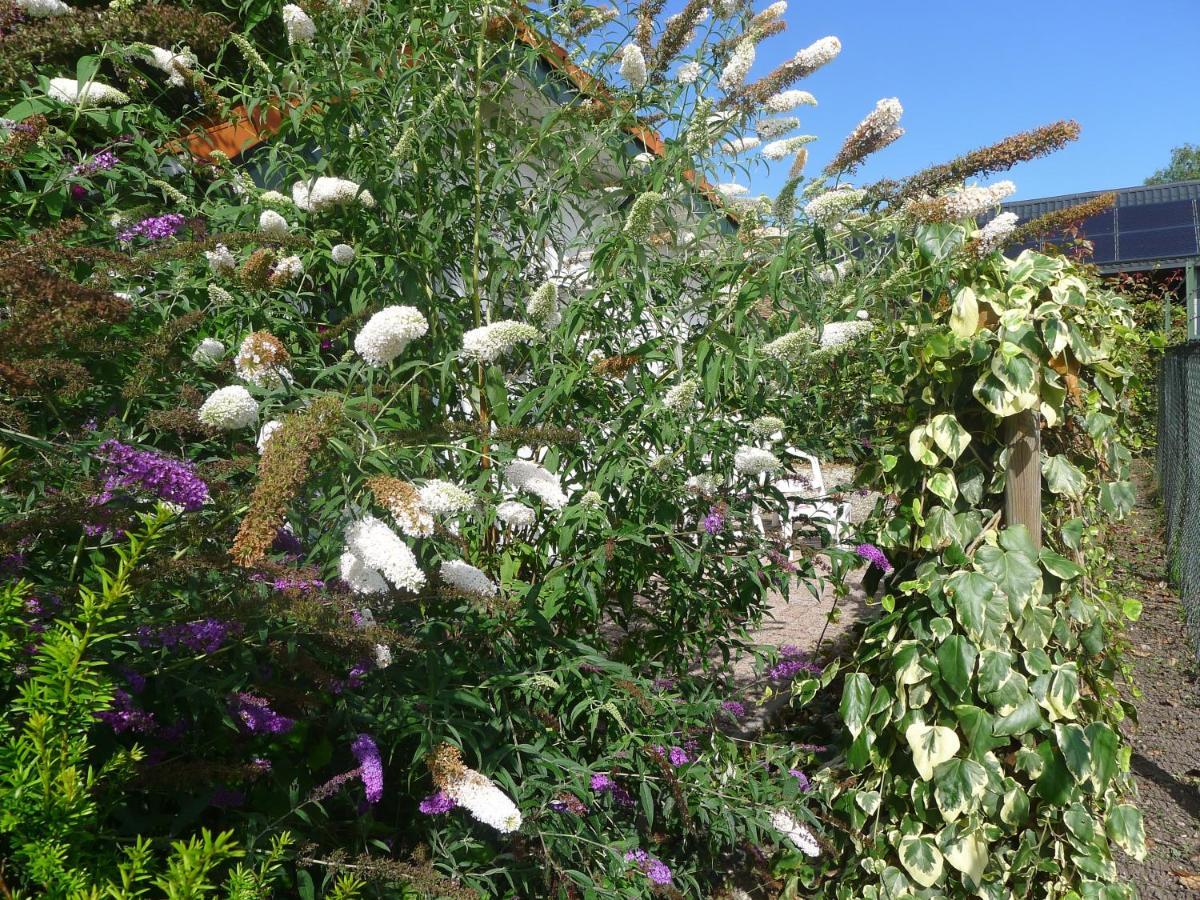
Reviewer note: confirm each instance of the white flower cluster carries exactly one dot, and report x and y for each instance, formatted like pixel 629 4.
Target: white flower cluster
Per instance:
pixel 287 269
pixel 173 64
pixel 765 426
pixel 361 578
pixel 264 434
pixel 777 150
pixel 388 332
pixel 591 501
pixel 755 461
pixel 790 347
pixel 633 66
pixel 830 274
pixel 489 342
pixel 442 498
pixel 342 254
pixel 769 128
pixel 786 824
pixel 523 475
pixel 728 189
pixel 785 101
pixel 704 484
pixel 68 90
pixel 818 53
pixel 838 334
pixel 832 206
pixel 733 76
pixel 208 351
pixel 515 515
pixel 43 9
pixel 229 408
pixel 770 14
pixel 682 397
pixel 221 260
pixel 466 578
pixel 688 72
pixel 379 548
pixel 327 192
pixel 974 201
pixel 740 145
pixel 486 803
pixel 275 200
pixel 543 305
pixel 272 225
pixel 300 28
pixel 993 234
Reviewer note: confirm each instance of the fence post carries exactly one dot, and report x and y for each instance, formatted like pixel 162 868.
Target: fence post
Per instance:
pixel 1023 484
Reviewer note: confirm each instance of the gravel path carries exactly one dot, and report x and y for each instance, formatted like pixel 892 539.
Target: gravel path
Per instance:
pixel 1166 741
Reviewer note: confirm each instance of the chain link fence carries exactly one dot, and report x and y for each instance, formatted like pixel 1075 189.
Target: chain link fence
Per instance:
pixel 1178 465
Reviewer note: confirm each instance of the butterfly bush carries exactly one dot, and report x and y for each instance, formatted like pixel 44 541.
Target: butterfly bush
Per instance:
pixel 447 480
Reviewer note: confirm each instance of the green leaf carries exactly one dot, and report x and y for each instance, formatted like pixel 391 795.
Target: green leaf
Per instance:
pixel 958 787
pixel 931 745
pixel 1117 498
pixel 1024 718
pixel 964 314
pixel 856 700
pixel 977 725
pixel 1104 743
pixel 1076 751
pixel 968 854
pixel 1063 477
pixel 1055 784
pixel 1015 574
pixel 939 241
pixel 920 446
pixel 1064 691
pixel 1124 827
pixel 1060 566
pixel 956 663
pixel 950 437
pixel 999 400
pixel 942 483
pixel 920 856
pixel 1014 805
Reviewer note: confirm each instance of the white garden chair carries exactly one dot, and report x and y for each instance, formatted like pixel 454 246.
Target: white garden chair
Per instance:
pixel 803 504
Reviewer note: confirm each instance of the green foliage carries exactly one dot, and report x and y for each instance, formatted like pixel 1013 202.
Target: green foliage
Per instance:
pixel 982 710
pixel 1184 166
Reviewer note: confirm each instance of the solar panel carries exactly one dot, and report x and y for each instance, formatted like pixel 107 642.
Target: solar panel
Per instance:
pixel 1158 243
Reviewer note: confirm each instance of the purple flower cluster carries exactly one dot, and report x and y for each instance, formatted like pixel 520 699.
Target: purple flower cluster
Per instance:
pixel 664 684
pixel 254 715
pixel 287 543
pixel 603 784
pixel 781 560
pixel 201 636
pixel 124 716
pixel 734 708
pixel 874 556
pixel 676 756
pixel 13 563
pixel 714 521
pixel 168 479
pixel 291 583
pixel 655 869
pixel 154 228
pixel 370 766
pixel 437 803
pixel 793 663
pixel 101 162
pixel 801 778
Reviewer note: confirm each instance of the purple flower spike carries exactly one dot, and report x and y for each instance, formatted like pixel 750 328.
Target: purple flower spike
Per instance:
pixel 874 556
pixel 154 228
pixel 801 778
pixel 370 766
pixel 714 521
pixel 603 784
pixel 437 803
pixel 655 869
pixel 735 709
pixel 168 479
pixel 253 715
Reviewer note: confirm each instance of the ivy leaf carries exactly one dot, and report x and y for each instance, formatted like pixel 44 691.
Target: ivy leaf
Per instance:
pixel 964 314
pixel 1124 827
pixel 1014 805
pixel 1014 573
pixel 1060 566
pixel 921 857
pixel 968 854
pixel 956 663
pixel 1076 751
pixel 942 483
pixel 1064 691
pixel 1117 498
pixel 940 240
pixel 920 446
pixel 999 400
pixel 856 700
pixel 931 745
pixel 958 786
pixel 1104 742
pixel 977 725
pixel 1062 477
pixel 1014 368
pixel 1023 719
pixel 951 438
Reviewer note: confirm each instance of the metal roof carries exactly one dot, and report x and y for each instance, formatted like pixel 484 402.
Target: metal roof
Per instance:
pixel 1153 226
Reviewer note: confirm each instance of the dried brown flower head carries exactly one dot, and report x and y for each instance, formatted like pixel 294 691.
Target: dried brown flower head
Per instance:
pixel 446 765
pixel 403 501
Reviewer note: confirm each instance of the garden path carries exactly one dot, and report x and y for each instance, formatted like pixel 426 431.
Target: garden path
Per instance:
pixel 1166 740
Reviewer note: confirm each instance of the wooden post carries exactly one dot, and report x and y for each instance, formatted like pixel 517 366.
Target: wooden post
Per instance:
pixel 1191 300
pixel 1023 486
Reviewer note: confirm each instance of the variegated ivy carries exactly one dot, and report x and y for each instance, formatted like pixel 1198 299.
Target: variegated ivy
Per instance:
pixel 983 753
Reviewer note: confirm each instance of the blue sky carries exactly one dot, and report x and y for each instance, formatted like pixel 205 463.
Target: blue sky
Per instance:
pixel 970 73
